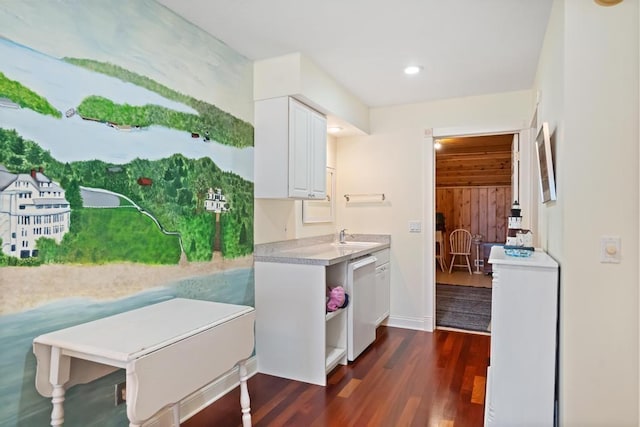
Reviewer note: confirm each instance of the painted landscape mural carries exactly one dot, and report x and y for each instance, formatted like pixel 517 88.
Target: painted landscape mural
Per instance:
pixel 126 178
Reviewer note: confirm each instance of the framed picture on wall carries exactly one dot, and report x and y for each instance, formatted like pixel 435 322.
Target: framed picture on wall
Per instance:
pixel 545 164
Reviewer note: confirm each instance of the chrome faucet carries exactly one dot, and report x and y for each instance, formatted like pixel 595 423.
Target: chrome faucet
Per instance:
pixel 342 235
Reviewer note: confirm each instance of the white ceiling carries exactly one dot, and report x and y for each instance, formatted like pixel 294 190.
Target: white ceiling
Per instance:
pixel 467 47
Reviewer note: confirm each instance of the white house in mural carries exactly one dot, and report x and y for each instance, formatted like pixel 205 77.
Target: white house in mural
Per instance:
pixel 31 206
pixel 216 201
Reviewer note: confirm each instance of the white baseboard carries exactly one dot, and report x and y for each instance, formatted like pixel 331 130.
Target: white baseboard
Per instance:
pixel 416 323
pixel 204 397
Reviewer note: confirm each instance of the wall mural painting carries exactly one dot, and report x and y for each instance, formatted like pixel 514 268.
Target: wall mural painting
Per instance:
pixel 126 169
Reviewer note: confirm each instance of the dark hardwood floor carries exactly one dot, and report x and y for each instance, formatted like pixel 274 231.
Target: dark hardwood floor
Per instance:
pixel 406 378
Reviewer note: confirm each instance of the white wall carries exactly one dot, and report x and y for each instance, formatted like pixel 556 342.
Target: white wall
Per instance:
pixel 588 76
pixel 394 160
pixel 296 75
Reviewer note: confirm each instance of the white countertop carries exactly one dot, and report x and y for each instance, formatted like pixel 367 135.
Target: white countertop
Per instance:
pixel 538 258
pixel 322 250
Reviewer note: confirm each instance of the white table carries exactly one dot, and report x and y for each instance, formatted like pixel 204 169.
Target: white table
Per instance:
pixel 169 350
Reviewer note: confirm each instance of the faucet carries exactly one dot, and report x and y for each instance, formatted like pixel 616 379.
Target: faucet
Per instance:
pixel 342 235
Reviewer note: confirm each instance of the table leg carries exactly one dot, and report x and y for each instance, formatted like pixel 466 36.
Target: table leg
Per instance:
pixel 57 399
pixel 58 376
pixel 244 395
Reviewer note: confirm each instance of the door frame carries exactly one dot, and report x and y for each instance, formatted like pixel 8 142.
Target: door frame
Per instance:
pixel 429 180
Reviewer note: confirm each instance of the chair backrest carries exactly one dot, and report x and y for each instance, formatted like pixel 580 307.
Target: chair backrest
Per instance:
pixel 460 241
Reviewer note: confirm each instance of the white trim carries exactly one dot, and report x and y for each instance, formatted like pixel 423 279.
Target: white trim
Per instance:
pixel 204 397
pixel 477 131
pixel 415 323
pixel 429 198
pixel 466 331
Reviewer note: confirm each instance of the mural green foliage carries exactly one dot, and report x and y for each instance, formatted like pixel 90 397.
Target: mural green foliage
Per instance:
pixel 173 194
pixel 198 236
pixel 25 97
pixel 111 235
pixel 212 121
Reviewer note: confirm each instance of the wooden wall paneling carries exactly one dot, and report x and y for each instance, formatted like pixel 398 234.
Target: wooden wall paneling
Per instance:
pixel 457 208
pixel 503 196
pixel 466 209
pixel 483 213
pixel 475 211
pixel 481 210
pixel 491 215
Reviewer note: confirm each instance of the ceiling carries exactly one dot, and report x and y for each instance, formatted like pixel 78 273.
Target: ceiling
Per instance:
pixel 474 161
pixel 466 47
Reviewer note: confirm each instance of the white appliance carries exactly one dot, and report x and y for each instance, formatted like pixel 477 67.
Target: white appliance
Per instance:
pixel 361 320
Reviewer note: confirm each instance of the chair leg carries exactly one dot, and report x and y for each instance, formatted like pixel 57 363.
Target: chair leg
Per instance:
pixel 468 263
pixel 443 267
pixel 453 260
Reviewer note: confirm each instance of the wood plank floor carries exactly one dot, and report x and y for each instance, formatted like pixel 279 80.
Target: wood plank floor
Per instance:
pixel 406 378
pixel 462 277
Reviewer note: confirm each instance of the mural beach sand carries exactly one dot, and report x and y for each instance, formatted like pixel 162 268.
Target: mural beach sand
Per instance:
pixel 25 288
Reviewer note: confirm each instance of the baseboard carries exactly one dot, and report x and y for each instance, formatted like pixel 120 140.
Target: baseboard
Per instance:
pixel 204 397
pixel 415 323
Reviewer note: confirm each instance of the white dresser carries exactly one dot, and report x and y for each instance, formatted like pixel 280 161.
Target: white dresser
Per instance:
pixel 524 312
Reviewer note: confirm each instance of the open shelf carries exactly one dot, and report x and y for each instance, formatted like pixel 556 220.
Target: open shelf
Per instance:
pixel 330 315
pixel 333 356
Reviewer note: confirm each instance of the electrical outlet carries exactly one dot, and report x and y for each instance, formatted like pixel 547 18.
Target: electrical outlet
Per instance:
pixel 121 393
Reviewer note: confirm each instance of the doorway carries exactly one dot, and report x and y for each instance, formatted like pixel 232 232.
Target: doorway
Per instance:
pixel 474 191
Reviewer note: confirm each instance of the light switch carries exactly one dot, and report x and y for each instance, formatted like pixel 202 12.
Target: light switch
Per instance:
pixel 415 227
pixel 610 249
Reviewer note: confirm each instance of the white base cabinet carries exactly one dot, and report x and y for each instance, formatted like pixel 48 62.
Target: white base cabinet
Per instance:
pixel 522 372
pixel 295 337
pixel 383 285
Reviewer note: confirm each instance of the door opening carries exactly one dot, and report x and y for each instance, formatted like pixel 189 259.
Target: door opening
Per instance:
pixel 474 190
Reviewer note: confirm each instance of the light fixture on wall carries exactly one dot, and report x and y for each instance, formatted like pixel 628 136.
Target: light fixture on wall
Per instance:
pixel 607 2
pixel 437 145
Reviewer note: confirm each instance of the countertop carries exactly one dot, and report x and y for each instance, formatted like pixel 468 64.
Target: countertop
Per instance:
pixel 538 258
pixel 321 250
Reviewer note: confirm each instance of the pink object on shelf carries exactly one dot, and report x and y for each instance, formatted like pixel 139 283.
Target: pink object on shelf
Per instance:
pixel 336 298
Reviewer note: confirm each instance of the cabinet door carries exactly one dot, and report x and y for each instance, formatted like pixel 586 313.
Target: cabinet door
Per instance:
pixel 383 292
pixel 307 152
pixel 300 150
pixel 318 156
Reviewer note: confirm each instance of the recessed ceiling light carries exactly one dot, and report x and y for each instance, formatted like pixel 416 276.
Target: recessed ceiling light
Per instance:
pixel 334 129
pixel 412 69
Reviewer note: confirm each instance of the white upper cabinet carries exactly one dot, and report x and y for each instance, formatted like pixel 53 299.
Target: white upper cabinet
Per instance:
pixel 290 150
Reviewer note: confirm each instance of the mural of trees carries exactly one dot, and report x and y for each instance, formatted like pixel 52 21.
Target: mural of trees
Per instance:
pixel 174 198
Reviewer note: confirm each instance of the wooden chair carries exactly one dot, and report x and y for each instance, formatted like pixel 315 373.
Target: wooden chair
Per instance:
pixel 460 245
pixel 440 250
